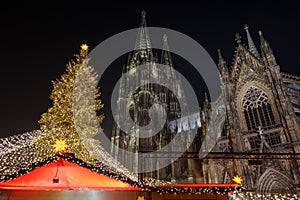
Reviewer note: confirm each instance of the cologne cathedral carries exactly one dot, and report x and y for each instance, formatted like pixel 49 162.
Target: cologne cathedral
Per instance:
pixel 140 102
pixel 262 121
pixel 260 131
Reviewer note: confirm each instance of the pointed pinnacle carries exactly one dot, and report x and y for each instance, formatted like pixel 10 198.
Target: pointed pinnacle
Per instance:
pixel 165 38
pixel 263 42
pixel 261 37
pixel 143 20
pixel 251 45
pixel 266 49
pixel 205 97
pixel 220 54
pixel 142 44
pixel 246 28
pixel 222 63
pixel 238 38
pixel 166 56
pixel 143 14
pixel 221 60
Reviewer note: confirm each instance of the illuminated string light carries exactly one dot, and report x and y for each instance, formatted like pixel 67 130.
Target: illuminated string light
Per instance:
pixel 18 141
pixel 271 196
pixel 21 152
pixel 59 121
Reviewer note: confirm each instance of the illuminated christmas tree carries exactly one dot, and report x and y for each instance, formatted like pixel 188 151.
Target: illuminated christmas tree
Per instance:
pixel 72 118
pixel 67 128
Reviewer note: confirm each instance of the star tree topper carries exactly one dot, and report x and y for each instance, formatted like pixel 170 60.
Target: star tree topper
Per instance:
pixel 60 145
pixel 84 47
pixel 237 180
pixel 141 198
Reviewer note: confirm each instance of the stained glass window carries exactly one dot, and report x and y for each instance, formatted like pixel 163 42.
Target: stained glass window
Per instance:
pixel 257 109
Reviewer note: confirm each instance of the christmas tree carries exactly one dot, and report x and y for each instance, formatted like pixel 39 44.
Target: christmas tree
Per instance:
pixel 72 119
pixel 67 128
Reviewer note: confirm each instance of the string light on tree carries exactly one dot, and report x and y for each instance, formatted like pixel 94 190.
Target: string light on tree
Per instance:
pixel 61 119
pixel 22 153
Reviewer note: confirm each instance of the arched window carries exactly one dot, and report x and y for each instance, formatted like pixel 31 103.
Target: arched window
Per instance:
pixel 257 109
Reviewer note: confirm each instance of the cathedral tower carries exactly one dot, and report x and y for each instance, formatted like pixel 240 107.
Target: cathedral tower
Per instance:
pixel 139 103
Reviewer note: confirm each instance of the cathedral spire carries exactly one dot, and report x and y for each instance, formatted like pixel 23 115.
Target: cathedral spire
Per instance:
pixel 266 50
pixel 166 56
pixel 251 44
pixel 237 38
pixel 263 42
pixel 222 68
pixel 206 106
pixel 143 46
pixel 222 64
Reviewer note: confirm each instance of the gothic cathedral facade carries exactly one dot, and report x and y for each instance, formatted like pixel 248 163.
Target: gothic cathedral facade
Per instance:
pixel 137 95
pixel 261 132
pixel 262 122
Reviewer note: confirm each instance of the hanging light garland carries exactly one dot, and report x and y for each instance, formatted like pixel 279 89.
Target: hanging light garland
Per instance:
pixel 100 168
pixel 234 192
pixel 254 196
pixel 18 141
pixel 194 190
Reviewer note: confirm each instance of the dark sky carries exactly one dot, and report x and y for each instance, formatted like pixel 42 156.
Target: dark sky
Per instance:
pixel 38 40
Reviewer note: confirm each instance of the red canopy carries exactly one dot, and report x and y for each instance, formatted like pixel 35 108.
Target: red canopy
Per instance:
pixel 65 175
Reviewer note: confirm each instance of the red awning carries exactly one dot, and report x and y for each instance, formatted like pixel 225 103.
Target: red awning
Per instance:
pixel 65 175
pixel 196 185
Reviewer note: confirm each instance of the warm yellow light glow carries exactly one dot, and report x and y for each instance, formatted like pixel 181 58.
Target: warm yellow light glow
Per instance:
pixel 84 47
pixel 237 180
pixel 141 198
pixel 60 145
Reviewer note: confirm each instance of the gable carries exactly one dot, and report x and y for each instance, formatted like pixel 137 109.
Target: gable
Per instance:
pixel 245 64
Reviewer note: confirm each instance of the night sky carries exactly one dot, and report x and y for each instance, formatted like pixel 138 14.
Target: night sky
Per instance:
pixel 38 40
